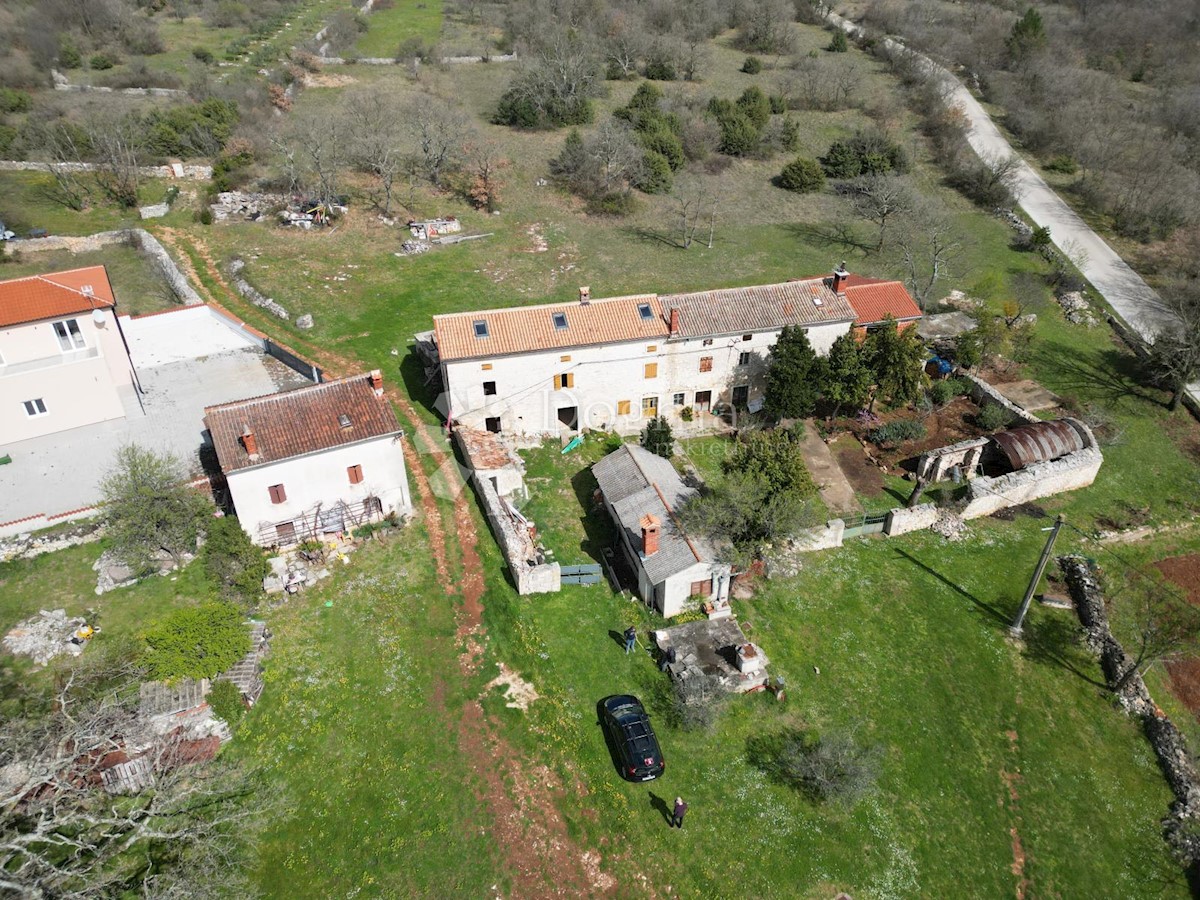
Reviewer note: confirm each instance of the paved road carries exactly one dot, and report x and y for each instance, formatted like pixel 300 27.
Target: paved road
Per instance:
pixel 1129 296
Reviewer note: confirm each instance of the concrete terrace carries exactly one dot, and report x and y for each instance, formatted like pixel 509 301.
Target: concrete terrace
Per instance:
pixel 185 359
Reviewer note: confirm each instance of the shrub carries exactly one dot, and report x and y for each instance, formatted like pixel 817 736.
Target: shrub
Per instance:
pixel 205 216
pixel 739 137
pixel 12 100
pixel 697 702
pixel 775 457
pixel 867 153
pixel 196 642
pixel 944 391
pixel 660 69
pixel 838 43
pixel 687 414
pixel 654 177
pixel 69 58
pixel 226 702
pixel 830 768
pixel 646 97
pixel 993 417
pixel 618 203
pixel 101 61
pixel 667 145
pixel 1063 164
pixel 658 438
pixel 235 564
pixel 755 106
pixel 778 104
pixel 752 65
pixel 203 54
pixel 1039 237
pixel 802 175
pixel 788 135
pixel 897 432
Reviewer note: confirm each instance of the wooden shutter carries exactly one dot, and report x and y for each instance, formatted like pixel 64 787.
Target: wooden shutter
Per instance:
pixel 706 363
pixel 355 473
pixel 622 407
pixel 278 494
pixel 651 370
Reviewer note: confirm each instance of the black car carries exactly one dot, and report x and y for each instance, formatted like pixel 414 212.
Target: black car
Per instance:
pixel 637 749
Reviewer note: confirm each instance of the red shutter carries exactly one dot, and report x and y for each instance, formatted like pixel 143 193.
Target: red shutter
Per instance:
pixel 355 473
pixel 278 494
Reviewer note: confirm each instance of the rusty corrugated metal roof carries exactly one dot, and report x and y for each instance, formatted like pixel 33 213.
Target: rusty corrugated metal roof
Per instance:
pixel 1041 442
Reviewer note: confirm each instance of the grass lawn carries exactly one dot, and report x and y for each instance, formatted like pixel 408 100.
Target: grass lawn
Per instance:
pixel 388 28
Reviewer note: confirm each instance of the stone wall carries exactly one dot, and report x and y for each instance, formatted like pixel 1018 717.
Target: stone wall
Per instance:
pixel 934 465
pixel 19 541
pixel 198 172
pixel 902 520
pixel 822 537
pixel 984 395
pixel 1076 470
pixel 1174 758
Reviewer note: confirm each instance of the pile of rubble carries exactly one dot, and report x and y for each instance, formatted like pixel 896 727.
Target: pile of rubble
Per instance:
pixel 292 571
pixel 32 543
pixel 950 525
pixel 243 205
pixel 45 636
pixel 112 572
pixel 412 248
pixel 1076 309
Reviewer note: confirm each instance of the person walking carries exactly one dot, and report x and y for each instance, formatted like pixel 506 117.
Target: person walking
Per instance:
pixel 678 814
pixel 668 659
pixel 630 639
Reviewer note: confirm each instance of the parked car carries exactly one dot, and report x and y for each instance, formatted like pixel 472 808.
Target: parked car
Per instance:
pixel 638 753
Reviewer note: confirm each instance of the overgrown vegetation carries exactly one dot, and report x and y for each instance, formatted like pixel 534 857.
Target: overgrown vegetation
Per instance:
pixel 196 642
pixel 233 562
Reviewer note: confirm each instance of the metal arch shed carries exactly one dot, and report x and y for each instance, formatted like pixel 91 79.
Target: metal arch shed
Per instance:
pixel 1041 442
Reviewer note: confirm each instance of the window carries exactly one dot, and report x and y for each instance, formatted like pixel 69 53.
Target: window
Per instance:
pixel 677 400
pixel 702 588
pixel 487 367
pixel 35 408
pixel 285 532
pixel 69 335
pixel 645 311
pixel 652 348
pixel 707 342
pixel 492 424
pixel 649 407
pixel 481 329
pixel 564 359
pixel 703 401
pixel 743 359
pixel 489 389
pixel 560 321
pixel 565 380
pixel 741 396
pixel 651 370
pixel 746 337
pixel 278 494
pixel 706 364
pixel 623 407
pixel 355 473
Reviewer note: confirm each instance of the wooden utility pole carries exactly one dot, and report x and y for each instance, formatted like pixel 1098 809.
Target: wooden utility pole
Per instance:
pixel 1037 576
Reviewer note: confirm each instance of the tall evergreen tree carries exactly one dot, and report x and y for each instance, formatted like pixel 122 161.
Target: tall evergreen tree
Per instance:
pixel 657 437
pixel 896 358
pixel 848 378
pixel 794 375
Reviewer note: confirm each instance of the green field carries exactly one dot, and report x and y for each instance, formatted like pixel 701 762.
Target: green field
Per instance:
pixel 387 29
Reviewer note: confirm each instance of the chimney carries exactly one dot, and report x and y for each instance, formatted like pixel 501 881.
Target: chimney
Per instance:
pixel 674 321
pixel 839 278
pixel 650 531
pixel 250 442
pixel 377 382
pixel 585 295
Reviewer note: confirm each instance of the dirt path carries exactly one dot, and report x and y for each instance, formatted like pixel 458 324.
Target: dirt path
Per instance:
pixel 835 490
pixel 532 840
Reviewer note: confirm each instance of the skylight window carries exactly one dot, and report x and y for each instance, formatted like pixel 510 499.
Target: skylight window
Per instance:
pixel 481 329
pixel 560 321
pixel 645 311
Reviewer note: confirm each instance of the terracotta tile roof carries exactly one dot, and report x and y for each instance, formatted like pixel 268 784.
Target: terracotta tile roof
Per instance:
pixel 530 328
pixel 299 422
pixel 758 308
pixel 873 298
pixel 56 294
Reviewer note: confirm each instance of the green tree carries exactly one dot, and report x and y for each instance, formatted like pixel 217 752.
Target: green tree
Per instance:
pixel 896 357
pixel 802 175
pixel 794 375
pixel 196 642
pixel 838 43
pixel 1028 35
pixel 752 65
pixel 658 438
pixel 848 378
pixel 775 457
pixel 150 508
pixel 667 145
pixel 739 137
pixel 654 176
pixel 755 105
pixel 233 562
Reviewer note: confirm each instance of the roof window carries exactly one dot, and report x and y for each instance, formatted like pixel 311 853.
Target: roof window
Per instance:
pixel 481 329
pixel 560 321
pixel 344 420
pixel 645 311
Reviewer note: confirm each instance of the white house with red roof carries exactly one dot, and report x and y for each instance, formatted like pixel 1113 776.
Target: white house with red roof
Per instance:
pixel 63 358
pixel 312 461
pixel 611 363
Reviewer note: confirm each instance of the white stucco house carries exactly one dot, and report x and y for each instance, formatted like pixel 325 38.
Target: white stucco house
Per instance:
pixel 642 492
pixel 312 461
pixel 64 361
pixel 612 363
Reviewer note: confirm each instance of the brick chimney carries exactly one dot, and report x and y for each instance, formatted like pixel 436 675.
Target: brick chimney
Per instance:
pixel 839 279
pixel 585 295
pixel 377 382
pixel 250 442
pixel 674 321
pixel 651 528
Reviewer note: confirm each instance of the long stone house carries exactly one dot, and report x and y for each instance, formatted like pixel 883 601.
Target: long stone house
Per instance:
pixel 611 363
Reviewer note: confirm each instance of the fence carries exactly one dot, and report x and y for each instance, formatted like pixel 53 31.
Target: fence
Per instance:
pixel 292 361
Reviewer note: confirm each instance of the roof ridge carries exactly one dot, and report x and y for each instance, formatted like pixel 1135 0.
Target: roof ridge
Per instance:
pixel 280 395
pixel 43 276
pixel 570 304
pixel 674 518
pixel 814 279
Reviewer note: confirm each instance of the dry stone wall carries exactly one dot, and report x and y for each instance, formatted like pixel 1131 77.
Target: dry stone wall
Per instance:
pixel 902 520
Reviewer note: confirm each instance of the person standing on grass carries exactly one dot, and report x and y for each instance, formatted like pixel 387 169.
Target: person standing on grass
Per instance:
pixel 677 815
pixel 630 639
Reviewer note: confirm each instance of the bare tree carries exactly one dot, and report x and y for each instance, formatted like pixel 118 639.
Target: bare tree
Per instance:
pixel 615 156
pixel 928 248
pixel 485 162
pixel 376 142
pixel 695 207
pixel 624 41
pixel 314 151
pixel 1160 626
pixel 1175 353
pixel 765 26
pixel 64 154
pixel 439 130
pixel 117 145
pixel 878 199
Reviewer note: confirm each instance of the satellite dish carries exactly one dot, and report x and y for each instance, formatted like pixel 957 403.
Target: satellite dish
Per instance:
pixel 98 317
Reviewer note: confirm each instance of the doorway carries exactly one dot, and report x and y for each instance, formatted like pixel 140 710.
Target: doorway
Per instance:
pixel 569 416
